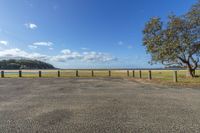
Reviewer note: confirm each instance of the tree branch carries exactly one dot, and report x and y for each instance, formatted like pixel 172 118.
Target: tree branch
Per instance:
pixel 183 60
pixel 195 62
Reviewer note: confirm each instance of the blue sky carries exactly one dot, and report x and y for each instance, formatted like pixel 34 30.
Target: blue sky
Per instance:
pixel 81 33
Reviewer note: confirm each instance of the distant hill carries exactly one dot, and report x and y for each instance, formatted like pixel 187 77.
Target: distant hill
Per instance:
pixel 24 64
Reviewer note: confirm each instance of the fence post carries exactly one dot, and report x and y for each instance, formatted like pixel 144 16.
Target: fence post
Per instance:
pixel 175 77
pixel 77 73
pixel 92 73
pixel 40 74
pixel 109 73
pixel 127 73
pixel 20 73
pixel 2 74
pixel 58 73
pixel 133 73
pixel 150 75
pixel 140 74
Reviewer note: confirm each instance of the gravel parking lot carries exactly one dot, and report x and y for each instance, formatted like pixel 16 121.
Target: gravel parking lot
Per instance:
pixel 98 105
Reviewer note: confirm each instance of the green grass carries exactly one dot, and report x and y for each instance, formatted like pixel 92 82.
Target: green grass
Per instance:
pixel 162 76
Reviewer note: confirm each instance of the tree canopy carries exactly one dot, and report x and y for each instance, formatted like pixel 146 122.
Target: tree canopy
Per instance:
pixel 176 42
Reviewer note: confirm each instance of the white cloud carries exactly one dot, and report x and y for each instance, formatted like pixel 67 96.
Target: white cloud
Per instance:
pixel 3 42
pixel 65 56
pixel 66 51
pixel 18 53
pixel 97 57
pixel 31 26
pixel 36 45
pixel 85 56
pixel 48 44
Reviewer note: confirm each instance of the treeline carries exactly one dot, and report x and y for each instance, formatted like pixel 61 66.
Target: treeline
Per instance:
pixel 177 67
pixel 24 64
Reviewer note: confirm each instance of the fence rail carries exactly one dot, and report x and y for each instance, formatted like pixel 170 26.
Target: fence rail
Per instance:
pixel 173 75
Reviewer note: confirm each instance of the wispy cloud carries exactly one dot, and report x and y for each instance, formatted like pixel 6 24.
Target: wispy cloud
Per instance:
pixel 85 49
pixel 51 48
pixel 31 26
pixel 121 43
pixel 2 42
pixel 32 46
pixel 48 44
pixel 36 45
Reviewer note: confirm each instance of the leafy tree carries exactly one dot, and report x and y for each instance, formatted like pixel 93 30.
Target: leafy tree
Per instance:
pixel 176 42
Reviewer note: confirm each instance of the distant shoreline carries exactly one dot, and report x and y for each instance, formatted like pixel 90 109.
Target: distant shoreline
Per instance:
pixel 98 69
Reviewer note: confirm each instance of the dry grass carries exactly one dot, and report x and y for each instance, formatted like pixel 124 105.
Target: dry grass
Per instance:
pixel 165 77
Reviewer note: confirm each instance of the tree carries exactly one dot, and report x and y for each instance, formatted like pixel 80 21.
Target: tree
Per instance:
pixel 176 42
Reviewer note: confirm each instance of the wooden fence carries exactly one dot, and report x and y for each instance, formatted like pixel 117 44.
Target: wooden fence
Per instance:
pixel 129 73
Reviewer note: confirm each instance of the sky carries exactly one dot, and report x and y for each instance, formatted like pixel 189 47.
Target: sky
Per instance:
pixel 82 33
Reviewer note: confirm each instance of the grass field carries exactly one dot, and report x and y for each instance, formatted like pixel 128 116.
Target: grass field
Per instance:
pixel 162 76
pixel 166 77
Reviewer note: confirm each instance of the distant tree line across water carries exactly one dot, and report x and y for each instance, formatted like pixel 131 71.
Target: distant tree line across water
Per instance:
pixel 178 67
pixel 24 64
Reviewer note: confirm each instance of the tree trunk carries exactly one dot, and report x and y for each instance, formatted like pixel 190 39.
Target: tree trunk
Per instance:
pixel 191 72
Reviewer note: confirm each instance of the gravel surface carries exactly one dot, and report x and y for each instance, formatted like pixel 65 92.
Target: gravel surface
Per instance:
pixel 99 105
